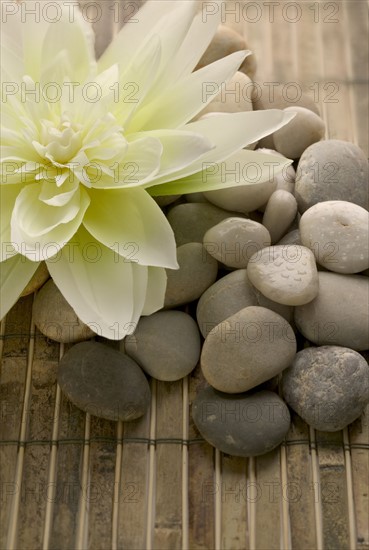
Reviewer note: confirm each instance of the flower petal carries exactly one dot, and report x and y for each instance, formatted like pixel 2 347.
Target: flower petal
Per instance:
pixel 243 168
pixel 180 148
pixel 155 293
pixel 187 97
pixel 97 283
pixel 39 230
pixel 133 225
pixel 229 133
pixel 15 274
pixel 8 196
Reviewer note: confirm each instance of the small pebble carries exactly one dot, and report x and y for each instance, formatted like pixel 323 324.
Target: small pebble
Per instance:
pixel 327 386
pixel 234 240
pixel 104 382
pixel 228 296
pixel 332 170
pixel 165 200
pixel 166 345
pixel 235 97
pixel 197 271
pixel 293 237
pixel 56 319
pixel 40 277
pixel 302 131
pixel 286 274
pixel 224 42
pixel 247 349
pixel 191 221
pixel 338 234
pixel 248 424
pixel 339 315
pixel 280 212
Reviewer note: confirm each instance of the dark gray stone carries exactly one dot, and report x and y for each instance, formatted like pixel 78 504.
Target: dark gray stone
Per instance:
pixel 165 344
pixel 248 424
pixel 327 386
pixel 104 382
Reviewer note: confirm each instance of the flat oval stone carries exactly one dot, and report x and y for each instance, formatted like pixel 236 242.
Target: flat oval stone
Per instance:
pixel 327 386
pixel 338 234
pixel 191 221
pixel 302 131
pixel 166 344
pixel 332 170
pixel 286 274
pixel 244 424
pixel 224 42
pixel 292 237
pixel 244 198
pixel 229 295
pixel 197 271
pixel 56 319
pixel 280 212
pixel 104 382
pixel 234 240
pixel 339 315
pixel 254 345
pixel 39 278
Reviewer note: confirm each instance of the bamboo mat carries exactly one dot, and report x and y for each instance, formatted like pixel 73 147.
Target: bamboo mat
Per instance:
pixel 71 480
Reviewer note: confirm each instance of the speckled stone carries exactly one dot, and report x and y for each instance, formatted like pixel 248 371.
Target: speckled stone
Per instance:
pixel 332 170
pixel 302 131
pixel 327 386
pixel 279 214
pixel 248 424
pixel 254 344
pixel 224 42
pixel 228 296
pixel 191 221
pixel 104 382
pixel 338 234
pixel 286 274
pixel 55 318
pixel 339 315
pixel 40 277
pixel 234 240
pixel 197 271
pixel 166 344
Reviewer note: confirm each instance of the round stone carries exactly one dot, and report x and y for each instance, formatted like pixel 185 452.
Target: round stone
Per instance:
pixel 332 170
pixel 56 319
pixel 249 424
pixel 104 382
pixel 302 131
pixel 247 349
pixel 166 344
pixel 197 271
pixel 228 296
pixel 338 234
pixel 280 212
pixel 284 96
pixel 235 97
pixel 165 200
pixel 191 221
pixel 327 386
pixel 339 315
pixel 234 240
pixel 224 42
pixel 39 278
pixel 286 274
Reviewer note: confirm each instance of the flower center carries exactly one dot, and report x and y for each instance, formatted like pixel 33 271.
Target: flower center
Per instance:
pixel 60 144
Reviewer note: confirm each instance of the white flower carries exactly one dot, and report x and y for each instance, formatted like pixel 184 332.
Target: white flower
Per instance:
pixel 86 143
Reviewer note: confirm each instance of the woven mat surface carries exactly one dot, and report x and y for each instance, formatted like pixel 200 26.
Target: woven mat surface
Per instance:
pixel 71 480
